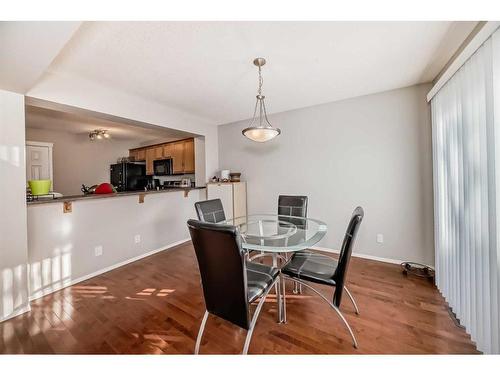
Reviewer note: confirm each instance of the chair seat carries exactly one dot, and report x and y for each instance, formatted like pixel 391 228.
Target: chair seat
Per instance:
pixel 310 266
pixel 259 277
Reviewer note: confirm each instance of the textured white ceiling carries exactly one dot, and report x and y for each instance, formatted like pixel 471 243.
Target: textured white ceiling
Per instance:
pixel 27 48
pixel 205 68
pixel 43 118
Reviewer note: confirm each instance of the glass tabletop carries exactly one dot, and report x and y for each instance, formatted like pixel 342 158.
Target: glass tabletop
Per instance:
pixel 278 233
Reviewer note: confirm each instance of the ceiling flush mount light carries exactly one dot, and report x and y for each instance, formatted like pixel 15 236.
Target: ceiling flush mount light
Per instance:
pixel 260 129
pixel 98 134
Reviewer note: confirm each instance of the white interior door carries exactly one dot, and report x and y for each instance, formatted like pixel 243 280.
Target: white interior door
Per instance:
pixel 38 162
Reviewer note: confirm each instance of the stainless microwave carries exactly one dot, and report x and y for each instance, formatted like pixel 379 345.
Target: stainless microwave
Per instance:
pixel 163 167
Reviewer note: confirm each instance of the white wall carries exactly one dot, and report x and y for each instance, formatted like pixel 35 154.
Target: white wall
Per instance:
pixel 77 160
pixel 373 151
pixel 62 246
pixel 13 245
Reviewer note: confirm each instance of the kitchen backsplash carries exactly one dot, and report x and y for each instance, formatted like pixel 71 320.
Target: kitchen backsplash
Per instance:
pixel 175 178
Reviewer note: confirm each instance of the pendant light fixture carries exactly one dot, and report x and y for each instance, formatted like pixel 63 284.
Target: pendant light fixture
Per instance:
pixel 260 129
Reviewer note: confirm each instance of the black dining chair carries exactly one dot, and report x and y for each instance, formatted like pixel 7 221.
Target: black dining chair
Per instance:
pixel 292 205
pixel 296 206
pixel 210 211
pixel 229 287
pixel 288 205
pixel 307 266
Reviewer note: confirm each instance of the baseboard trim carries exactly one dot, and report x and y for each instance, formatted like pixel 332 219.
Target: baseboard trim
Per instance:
pixel 20 311
pixel 358 255
pixel 52 289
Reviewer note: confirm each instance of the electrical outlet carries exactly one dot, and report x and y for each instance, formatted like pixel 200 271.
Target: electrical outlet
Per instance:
pixel 137 238
pixel 380 238
pixel 98 251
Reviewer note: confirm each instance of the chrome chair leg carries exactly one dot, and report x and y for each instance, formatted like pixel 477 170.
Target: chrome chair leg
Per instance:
pixel 283 296
pixel 335 308
pixel 279 299
pixel 276 285
pixel 200 333
pixel 297 288
pixel 352 300
pixel 254 319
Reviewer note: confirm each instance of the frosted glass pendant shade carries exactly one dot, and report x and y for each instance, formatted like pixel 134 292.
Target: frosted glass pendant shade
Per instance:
pixel 261 134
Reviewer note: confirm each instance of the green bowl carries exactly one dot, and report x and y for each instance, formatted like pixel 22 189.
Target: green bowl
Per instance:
pixel 39 187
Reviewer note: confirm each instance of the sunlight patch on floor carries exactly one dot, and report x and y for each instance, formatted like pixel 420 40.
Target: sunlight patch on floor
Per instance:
pixel 155 292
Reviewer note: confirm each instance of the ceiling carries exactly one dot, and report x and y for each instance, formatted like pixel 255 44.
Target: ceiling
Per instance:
pixel 27 48
pixel 48 119
pixel 205 68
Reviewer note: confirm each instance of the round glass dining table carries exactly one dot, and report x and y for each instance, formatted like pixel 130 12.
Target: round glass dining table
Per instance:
pixel 278 233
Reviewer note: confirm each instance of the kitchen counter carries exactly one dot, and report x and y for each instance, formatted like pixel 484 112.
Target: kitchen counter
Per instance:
pixel 72 198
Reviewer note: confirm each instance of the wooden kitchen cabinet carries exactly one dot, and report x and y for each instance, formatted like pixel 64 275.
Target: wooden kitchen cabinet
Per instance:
pixel 167 150
pixel 178 157
pixel 150 157
pixel 141 154
pixel 158 152
pixel 183 156
pixel 181 152
pixel 189 156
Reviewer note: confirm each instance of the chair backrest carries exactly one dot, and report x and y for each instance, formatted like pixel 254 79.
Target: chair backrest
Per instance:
pixel 292 205
pixel 210 211
pixel 345 253
pixel 222 267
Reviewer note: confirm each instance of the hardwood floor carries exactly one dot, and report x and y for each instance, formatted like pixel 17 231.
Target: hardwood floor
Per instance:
pixel 155 306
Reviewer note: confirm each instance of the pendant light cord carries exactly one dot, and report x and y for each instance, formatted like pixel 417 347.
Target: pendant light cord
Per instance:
pixel 260 104
pixel 261 81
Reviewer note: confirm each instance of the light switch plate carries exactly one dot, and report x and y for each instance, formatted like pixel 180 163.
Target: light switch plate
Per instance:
pixel 380 238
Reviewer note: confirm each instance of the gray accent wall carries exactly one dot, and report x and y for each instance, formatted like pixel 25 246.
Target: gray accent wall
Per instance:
pixel 374 151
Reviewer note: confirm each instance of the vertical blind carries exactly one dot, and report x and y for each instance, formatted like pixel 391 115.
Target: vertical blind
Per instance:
pixel 466 167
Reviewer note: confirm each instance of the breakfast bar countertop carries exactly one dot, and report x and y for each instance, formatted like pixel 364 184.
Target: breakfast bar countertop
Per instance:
pixel 72 198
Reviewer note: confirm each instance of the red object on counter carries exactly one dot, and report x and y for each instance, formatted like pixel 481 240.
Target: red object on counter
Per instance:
pixel 104 188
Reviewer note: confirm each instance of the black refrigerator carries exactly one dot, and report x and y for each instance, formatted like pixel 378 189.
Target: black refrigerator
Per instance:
pixel 128 176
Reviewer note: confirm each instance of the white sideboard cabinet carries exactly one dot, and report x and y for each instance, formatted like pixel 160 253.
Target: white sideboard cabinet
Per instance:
pixel 233 196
